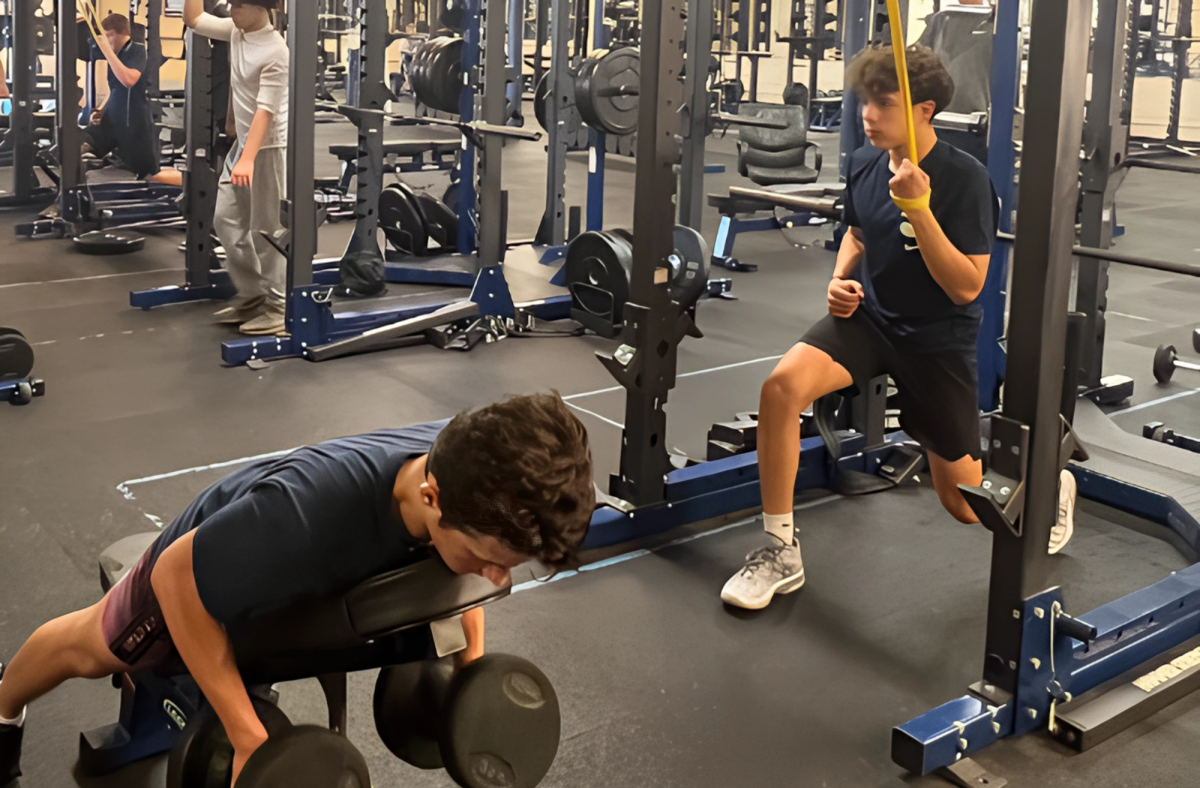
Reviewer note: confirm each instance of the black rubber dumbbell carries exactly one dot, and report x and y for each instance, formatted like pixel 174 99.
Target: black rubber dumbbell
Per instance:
pixel 1166 361
pixel 494 722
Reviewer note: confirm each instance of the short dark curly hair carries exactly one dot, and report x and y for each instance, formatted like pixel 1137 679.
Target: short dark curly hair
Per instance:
pixel 117 23
pixel 519 470
pixel 873 72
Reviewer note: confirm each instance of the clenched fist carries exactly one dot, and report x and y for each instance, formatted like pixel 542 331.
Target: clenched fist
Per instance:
pixel 844 297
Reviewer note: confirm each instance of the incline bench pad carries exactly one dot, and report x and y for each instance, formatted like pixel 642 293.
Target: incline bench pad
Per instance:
pixel 399 148
pixel 1148 464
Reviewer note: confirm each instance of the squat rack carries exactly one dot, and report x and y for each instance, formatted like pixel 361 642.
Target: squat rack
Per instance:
pixel 1036 656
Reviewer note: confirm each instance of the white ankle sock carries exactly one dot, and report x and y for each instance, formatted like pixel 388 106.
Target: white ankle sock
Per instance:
pixel 17 722
pixel 780 526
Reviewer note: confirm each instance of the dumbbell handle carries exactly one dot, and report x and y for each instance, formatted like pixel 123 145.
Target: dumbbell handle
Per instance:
pixel 1187 365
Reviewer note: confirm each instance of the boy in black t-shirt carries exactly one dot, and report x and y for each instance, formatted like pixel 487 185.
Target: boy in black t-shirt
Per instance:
pixel 489 490
pixel 125 125
pixel 902 301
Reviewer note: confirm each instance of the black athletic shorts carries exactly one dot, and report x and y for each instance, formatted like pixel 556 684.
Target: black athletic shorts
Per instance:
pixel 938 392
pixel 137 149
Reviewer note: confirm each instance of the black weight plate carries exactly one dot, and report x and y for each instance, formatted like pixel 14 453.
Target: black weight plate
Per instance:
pixel 5 331
pixel 441 221
pixel 448 74
pixel 16 357
pixel 203 757
pixel 606 91
pixel 502 724
pixel 401 222
pixel 450 196
pixel 597 273
pixel 691 281
pixel 407 705
pixel 541 95
pixel 1164 363
pixel 103 242
pixel 306 756
pixel 624 235
pixel 1196 339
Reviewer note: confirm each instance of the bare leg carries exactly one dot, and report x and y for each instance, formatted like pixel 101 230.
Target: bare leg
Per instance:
pixel 947 476
pixel 68 647
pixel 168 175
pixel 800 378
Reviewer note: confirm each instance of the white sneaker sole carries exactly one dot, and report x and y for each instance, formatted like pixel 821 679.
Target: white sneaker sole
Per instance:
pixel 787 585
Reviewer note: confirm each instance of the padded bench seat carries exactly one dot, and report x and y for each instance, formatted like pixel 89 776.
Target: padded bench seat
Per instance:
pixel 400 148
pixel 821 201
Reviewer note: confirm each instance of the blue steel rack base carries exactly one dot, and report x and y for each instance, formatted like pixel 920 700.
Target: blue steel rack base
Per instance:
pixel 313 323
pixel 22 391
pixel 398 269
pixel 717 488
pixel 1055 667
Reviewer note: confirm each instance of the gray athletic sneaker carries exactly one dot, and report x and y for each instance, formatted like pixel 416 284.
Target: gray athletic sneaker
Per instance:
pixel 240 312
pixel 774 569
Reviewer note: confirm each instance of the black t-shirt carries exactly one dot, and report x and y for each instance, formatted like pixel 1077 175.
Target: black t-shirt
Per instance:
pixel 901 295
pixel 308 525
pixel 128 108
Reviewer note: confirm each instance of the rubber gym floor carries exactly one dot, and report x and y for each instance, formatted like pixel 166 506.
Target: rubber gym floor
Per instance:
pixel 660 685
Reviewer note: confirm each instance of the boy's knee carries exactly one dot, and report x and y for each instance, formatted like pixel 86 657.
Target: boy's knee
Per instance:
pixel 782 389
pixel 956 505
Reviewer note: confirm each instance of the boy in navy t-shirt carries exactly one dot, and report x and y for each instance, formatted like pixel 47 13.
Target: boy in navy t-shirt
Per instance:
pixel 125 125
pixel 902 302
pixel 488 490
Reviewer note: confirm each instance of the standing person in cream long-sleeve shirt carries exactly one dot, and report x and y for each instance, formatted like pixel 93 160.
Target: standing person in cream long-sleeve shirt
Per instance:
pixel 253 180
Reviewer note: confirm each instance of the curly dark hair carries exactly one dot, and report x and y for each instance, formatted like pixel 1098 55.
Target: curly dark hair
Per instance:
pixel 873 72
pixel 519 470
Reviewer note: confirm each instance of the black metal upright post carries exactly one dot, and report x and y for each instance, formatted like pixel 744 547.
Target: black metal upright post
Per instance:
pixel 373 95
pixel 1048 194
pixel 1105 141
pixel 1180 46
pixel 154 58
pixel 69 135
pixel 857 18
pixel 490 107
pixel 23 74
pixel 559 105
pixel 299 208
pixel 540 35
pixel 695 121
pixel 653 324
pixel 202 170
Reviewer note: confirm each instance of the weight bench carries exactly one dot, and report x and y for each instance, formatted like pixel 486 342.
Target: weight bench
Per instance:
pixel 402 616
pixel 413 151
pixel 811 206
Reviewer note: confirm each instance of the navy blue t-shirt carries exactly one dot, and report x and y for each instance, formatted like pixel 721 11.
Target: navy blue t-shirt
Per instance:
pixel 900 295
pixel 128 107
pixel 308 525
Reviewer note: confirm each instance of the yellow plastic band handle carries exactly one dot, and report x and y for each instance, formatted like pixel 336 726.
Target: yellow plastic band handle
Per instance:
pixel 898 54
pixel 913 204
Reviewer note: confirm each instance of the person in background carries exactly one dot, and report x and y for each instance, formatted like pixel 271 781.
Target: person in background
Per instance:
pixel 253 181
pixel 124 126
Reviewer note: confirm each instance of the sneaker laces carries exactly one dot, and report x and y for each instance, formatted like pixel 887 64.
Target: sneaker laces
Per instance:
pixel 764 557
